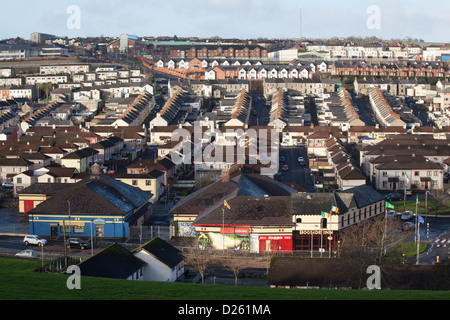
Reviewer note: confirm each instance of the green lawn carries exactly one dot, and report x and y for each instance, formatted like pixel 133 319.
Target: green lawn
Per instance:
pixel 20 282
pixel 411 206
pixel 408 249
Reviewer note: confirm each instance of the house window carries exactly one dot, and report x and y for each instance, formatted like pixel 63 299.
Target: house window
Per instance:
pixel 384 174
pixel 19 180
pixel 148 182
pixel 429 173
pixel 134 182
pixel 416 173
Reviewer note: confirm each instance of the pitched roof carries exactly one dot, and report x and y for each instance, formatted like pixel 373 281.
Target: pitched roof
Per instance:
pixel 44 188
pixel 100 195
pixel 163 251
pixel 314 203
pixel 82 153
pixel 363 195
pixel 113 262
pixel 253 211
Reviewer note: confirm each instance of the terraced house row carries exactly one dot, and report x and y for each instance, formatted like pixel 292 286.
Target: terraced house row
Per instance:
pixel 393 69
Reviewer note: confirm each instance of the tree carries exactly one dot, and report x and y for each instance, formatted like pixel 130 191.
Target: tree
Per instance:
pixel 365 244
pixel 46 88
pixel 372 238
pixel 199 259
pixel 439 202
pixel 235 262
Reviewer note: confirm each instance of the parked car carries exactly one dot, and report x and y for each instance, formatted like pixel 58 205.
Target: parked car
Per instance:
pixel 28 253
pixel 407 226
pixel 407 215
pixel 394 197
pixel 302 161
pixel 77 243
pixel 285 167
pixel 7 185
pixel 392 213
pixel 282 159
pixel 408 192
pixel 34 239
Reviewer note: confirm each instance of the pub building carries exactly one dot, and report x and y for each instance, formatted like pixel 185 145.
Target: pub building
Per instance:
pixel 319 217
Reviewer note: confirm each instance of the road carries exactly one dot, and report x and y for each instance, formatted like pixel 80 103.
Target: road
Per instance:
pixel 296 173
pixel 365 111
pixel 437 233
pixel 259 111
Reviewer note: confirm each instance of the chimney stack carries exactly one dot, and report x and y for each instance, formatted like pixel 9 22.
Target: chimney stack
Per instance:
pixel 95 169
pixel 225 175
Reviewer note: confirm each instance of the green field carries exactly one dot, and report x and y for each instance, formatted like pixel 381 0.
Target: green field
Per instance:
pixel 411 206
pixel 20 282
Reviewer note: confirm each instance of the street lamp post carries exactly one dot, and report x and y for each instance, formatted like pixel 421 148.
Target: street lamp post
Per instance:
pixel 92 244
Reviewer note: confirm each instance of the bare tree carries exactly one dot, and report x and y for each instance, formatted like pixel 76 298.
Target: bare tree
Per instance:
pixel 268 256
pixel 372 238
pixel 199 259
pixel 235 262
pixel 439 201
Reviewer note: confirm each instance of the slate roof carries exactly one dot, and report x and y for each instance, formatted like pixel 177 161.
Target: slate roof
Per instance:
pixel 163 251
pixel 113 262
pixel 80 154
pixel 100 195
pixel 314 203
pixel 253 211
pixel 44 188
pixel 243 185
pixel 363 195
pixel 205 198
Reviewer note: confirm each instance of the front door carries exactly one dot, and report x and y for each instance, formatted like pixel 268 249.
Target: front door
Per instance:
pixel 99 230
pixel 54 231
pixel 28 205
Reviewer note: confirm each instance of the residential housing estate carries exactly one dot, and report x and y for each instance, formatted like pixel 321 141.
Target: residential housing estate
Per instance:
pixel 88 146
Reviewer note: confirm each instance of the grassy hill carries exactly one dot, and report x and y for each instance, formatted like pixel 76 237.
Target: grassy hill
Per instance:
pixel 20 282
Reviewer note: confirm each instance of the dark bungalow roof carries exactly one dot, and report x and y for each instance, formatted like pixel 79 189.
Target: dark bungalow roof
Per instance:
pixel 163 251
pixel 113 262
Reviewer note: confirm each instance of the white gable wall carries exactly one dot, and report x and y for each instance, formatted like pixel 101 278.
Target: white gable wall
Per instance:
pixel 155 270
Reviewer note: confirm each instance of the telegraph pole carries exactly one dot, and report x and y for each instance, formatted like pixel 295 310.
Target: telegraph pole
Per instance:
pixel 223 228
pixel 418 234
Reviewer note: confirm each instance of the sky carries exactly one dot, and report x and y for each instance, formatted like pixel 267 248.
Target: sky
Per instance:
pixel 243 19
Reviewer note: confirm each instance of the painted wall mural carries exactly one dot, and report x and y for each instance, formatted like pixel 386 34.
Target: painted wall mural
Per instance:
pixel 223 241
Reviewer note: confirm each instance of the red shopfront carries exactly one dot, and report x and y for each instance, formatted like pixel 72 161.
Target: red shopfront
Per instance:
pixel 275 243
